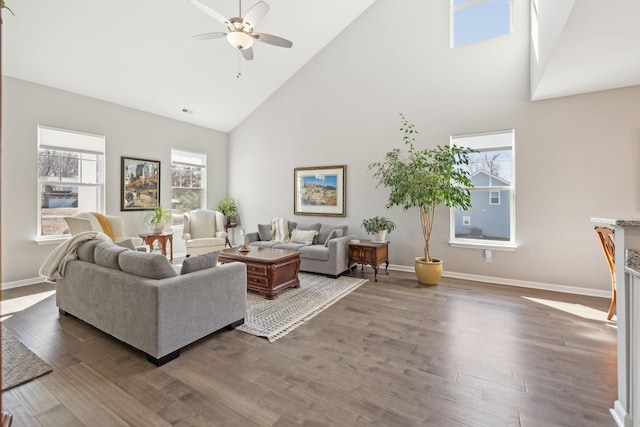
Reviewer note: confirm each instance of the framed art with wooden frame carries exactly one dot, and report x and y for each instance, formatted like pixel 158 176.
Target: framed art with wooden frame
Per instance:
pixel 319 191
pixel 140 185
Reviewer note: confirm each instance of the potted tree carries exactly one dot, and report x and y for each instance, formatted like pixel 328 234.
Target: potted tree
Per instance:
pixel 425 179
pixel 378 227
pixel 228 208
pixel 157 218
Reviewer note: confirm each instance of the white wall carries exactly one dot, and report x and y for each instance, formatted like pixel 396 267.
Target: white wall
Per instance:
pixel 128 133
pixel 577 157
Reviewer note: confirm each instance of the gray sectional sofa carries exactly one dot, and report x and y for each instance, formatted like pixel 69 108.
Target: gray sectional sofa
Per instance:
pixel 328 253
pixel 140 299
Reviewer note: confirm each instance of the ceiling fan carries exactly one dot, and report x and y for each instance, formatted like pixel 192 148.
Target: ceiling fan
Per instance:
pixel 240 33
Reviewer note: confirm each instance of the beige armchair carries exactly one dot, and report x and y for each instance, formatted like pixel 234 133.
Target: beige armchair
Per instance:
pixel 86 221
pixel 204 231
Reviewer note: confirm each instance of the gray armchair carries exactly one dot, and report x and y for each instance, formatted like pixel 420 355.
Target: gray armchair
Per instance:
pixel 204 231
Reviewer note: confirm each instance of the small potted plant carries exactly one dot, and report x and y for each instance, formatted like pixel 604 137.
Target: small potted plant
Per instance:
pixel 157 218
pixel 378 226
pixel 228 208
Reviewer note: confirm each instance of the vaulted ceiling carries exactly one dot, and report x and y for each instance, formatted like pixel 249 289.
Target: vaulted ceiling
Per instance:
pixel 141 53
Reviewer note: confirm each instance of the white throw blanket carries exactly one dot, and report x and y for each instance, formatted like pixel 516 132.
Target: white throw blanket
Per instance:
pixel 280 230
pixel 55 264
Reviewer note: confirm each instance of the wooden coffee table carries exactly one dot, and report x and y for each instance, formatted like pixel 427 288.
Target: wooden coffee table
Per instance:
pixel 269 271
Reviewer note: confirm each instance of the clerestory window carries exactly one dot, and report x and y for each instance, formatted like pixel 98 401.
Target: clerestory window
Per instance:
pixel 476 20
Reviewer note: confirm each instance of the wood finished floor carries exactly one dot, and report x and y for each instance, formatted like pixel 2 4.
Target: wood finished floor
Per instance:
pixel 391 353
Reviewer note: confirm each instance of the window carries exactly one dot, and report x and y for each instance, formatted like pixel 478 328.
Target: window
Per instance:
pixel 188 182
pixel 492 211
pixel 476 20
pixel 494 197
pixel 70 177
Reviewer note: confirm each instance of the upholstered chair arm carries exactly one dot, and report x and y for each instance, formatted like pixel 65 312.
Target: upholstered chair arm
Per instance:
pixel 186 236
pixel 117 226
pixel 221 234
pixel 186 230
pixel 251 237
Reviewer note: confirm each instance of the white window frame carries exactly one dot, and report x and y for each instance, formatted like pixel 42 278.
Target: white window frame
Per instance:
pixel 191 158
pixel 71 141
pixel 510 245
pixel 470 3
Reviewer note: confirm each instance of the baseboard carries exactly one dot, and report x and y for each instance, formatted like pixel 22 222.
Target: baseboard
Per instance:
pixel 19 283
pixel 515 282
pixel 451 274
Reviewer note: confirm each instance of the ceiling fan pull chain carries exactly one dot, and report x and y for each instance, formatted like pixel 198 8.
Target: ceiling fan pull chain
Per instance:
pixel 239 65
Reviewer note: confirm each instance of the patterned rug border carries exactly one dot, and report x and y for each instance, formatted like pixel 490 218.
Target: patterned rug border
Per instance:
pixel 258 306
pixel 19 364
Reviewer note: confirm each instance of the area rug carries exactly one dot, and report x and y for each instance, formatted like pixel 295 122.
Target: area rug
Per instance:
pixel 19 364
pixel 273 319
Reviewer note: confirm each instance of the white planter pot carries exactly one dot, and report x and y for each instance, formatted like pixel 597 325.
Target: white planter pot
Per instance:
pixel 380 236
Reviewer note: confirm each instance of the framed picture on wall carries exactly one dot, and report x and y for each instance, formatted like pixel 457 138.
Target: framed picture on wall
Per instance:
pixel 140 185
pixel 319 191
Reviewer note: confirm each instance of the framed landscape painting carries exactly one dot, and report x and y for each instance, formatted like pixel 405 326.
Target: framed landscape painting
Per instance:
pixel 140 188
pixel 319 191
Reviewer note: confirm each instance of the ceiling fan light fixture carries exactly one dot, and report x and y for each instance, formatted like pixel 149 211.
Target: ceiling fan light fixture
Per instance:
pixel 239 40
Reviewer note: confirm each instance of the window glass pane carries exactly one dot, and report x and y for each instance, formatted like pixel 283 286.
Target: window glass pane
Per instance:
pixel 485 221
pixel 475 20
pixel 491 168
pixel 188 178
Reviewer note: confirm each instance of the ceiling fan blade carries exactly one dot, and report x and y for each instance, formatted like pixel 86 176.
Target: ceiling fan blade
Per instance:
pixel 209 36
pixel 271 39
pixel 247 53
pixel 255 14
pixel 212 13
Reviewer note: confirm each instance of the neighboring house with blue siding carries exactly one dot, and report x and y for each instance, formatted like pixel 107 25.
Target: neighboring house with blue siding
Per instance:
pixel 488 217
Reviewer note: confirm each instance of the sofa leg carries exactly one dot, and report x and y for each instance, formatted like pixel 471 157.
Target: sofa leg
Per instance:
pixel 164 359
pixel 333 276
pixel 236 324
pixel 62 312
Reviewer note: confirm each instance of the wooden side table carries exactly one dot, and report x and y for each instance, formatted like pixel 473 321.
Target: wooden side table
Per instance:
pixel 162 238
pixel 370 253
pixel 226 228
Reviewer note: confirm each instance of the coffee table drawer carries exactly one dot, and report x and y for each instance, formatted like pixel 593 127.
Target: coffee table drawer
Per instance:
pixel 256 269
pixel 256 281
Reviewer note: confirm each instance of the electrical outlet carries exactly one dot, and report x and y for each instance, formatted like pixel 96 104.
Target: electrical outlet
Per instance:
pixel 488 255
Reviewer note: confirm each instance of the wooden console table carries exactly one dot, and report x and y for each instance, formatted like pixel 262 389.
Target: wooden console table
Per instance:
pixel 370 253
pixel 162 238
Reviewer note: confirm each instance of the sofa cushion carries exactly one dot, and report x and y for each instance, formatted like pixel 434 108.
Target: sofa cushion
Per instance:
pixel 205 241
pixel 338 232
pixel 317 252
pixel 289 246
pixel 86 251
pixel 303 236
pixel 264 231
pixel 267 244
pixel 326 229
pixel 146 264
pixel 200 262
pixel 107 253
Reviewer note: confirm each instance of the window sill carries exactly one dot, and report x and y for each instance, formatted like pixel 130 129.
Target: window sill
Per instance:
pixel 54 240
pixel 508 247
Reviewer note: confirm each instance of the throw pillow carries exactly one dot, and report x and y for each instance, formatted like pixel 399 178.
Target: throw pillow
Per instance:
pixel 264 231
pixel 107 254
pixel 338 232
pixel 200 262
pixel 313 226
pixel 148 265
pixel 303 236
pixel 326 229
pixel 126 243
